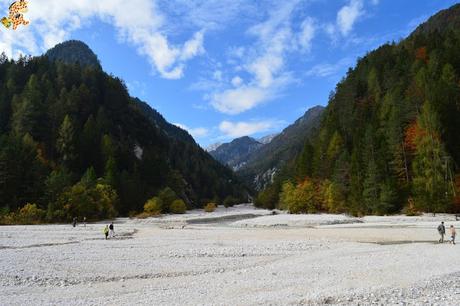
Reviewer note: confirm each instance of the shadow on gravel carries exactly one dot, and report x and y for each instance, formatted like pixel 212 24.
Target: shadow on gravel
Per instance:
pixel 122 236
pixel 229 218
pixel 403 242
pixel 37 245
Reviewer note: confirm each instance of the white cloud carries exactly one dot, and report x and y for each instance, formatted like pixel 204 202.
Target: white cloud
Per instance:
pixel 138 22
pixel 322 70
pixel 240 129
pixel 237 52
pixel 208 14
pixel 217 75
pixel 237 81
pixel 265 64
pixel 193 47
pixel 326 69
pixel 306 34
pixel 198 132
pixel 347 16
pixel 238 100
pixel 137 88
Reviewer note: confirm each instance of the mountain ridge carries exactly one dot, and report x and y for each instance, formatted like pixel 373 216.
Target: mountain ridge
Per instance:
pixel 262 165
pixel 65 125
pixel 74 52
pixel 257 162
pixel 235 153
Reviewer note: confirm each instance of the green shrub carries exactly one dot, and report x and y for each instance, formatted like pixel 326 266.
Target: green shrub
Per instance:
pixel 7 219
pixel 178 207
pixel 29 214
pixel 268 198
pixel 4 211
pixel 210 207
pixel 167 196
pixel 153 206
pixel 230 201
pixel 95 202
pixel 299 199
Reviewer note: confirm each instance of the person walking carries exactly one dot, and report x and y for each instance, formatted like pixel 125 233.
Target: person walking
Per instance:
pixel 106 232
pixel 453 233
pixel 111 231
pixel 441 231
pixel 84 221
pixel 74 221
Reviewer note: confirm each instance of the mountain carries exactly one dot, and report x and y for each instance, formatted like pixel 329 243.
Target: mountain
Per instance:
pixel 389 138
pixel 267 139
pixel 170 130
pixel 235 153
pixel 74 52
pixel 445 20
pixel 262 164
pixel 73 142
pixel 213 146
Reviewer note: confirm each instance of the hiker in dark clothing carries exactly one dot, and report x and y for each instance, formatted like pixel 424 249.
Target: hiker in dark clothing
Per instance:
pixel 74 222
pixel 441 231
pixel 111 231
pixel 453 233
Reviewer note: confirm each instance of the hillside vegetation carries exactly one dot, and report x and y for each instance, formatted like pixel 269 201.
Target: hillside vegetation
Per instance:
pixel 389 139
pixel 74 143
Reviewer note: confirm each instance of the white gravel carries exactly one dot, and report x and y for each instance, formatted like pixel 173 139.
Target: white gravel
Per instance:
pixel 219 260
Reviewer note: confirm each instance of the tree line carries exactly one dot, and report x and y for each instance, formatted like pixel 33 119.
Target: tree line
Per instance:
pixel 389 140
pixel 74 143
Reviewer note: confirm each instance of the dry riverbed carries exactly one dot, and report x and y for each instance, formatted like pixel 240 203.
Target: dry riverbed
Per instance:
pixel 237 256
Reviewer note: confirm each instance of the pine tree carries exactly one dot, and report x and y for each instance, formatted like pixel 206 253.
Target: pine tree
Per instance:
pixel 371 190
pixel 304 163
pixel 89 145
pixel 89 178
pixel 29 112
pixel 372 178
pixel 431 190
pixel 111 173
pixel 66 142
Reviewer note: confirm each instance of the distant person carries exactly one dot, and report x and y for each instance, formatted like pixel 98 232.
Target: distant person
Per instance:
pixel 111 231
pixel 74 222
pixel 441 231
pixel 453 233
pixel 106 232
pixel 84 221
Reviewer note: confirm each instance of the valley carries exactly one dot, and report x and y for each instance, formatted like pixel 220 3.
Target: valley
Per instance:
pixel 266 259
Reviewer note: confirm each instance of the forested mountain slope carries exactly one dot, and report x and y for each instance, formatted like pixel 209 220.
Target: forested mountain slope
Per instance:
pixel 262 164
pixel 71 136
pixel 390 136
pixel 170 130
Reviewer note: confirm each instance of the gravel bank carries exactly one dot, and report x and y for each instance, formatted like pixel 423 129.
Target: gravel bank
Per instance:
pixel 382 261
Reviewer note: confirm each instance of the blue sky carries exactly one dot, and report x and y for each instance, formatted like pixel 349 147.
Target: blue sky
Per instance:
pixel 219 68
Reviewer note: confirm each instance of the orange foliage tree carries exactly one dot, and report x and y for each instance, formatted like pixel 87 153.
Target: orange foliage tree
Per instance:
pixel 421 54
pixel 412 132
